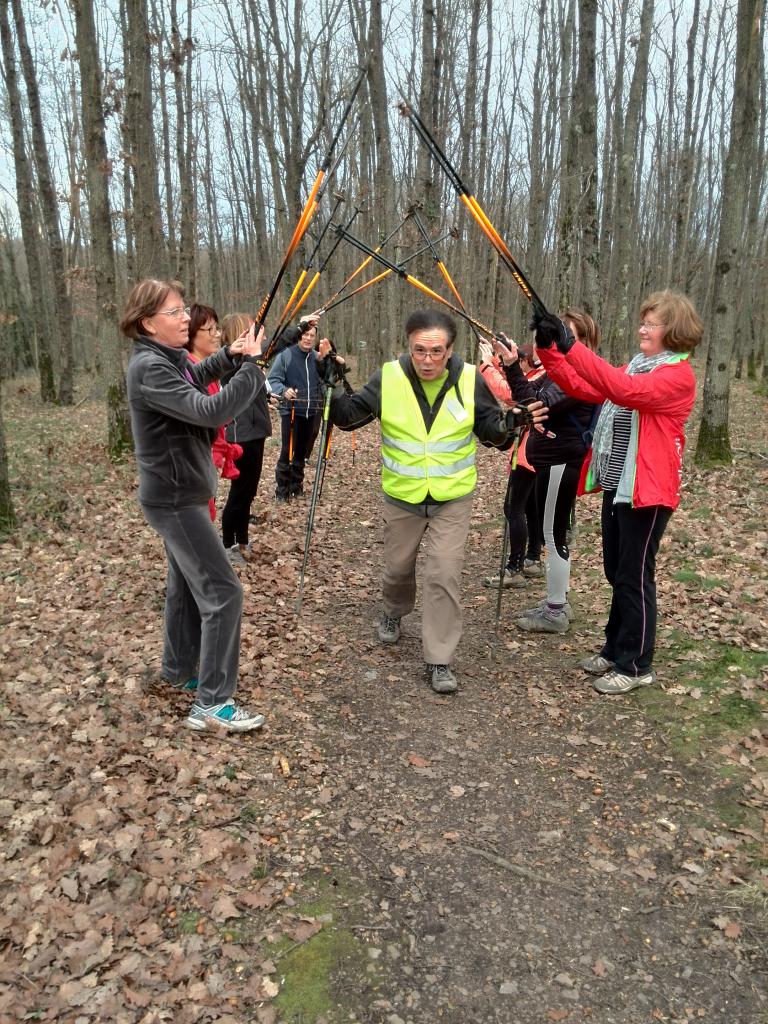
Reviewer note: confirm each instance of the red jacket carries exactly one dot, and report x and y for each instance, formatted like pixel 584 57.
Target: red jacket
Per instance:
pixel 663 400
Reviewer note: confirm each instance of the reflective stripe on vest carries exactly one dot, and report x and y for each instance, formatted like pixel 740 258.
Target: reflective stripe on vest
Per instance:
pixel 415 463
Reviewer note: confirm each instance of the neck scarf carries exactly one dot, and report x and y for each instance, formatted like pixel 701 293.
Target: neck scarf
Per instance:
pixel 602 442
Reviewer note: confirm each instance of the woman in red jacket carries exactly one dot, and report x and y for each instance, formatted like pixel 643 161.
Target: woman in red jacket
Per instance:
pixel 637 454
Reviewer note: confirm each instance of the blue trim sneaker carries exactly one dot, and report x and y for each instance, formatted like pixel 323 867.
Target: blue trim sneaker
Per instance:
pixel 227 716
pixel 189 685
pixel 616 682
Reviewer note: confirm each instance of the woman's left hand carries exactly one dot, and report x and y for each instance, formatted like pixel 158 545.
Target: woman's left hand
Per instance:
pixel 323 348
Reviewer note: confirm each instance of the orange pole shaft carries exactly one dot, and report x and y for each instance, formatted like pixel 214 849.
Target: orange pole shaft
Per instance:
pixel 294 293
pixel 304 297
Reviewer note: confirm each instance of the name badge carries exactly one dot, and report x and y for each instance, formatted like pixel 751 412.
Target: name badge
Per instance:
pixel 457 410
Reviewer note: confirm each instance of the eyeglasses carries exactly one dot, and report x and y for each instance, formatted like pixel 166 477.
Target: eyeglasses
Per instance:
pixel 178 311
pixel 428 353
pixel 213 329
pixel 647 326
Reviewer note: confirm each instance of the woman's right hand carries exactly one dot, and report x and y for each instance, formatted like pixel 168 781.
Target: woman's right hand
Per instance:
pixel 251 342
pixel 289 394
pixel 506 349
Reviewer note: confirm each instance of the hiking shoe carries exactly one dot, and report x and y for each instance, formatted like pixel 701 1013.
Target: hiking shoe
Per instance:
pixel 281 497
pixel 543 604
pixel 227 716
pixel 511 579
pixel 442 679
pixel 533 567
pixel 190 685
pixel 235 556
pixel 389 629
pixel 616 682
pixel 544 620
pixel 596 665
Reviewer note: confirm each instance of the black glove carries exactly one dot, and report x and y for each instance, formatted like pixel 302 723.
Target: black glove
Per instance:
pixel 518 417
pixel 550 330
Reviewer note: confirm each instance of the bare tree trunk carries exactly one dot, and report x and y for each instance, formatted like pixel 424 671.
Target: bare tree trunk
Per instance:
pixel 626 196
pixel 151 258
pixel 99 168
pixel 585 116
pixel 7 513
pixel 714 445
pixel 26 204
pixel 50 210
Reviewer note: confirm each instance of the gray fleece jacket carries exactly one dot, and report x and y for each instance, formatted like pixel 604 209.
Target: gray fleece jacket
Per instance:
pixel 175 420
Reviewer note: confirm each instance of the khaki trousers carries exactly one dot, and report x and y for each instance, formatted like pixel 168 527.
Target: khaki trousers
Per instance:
pixel 446 536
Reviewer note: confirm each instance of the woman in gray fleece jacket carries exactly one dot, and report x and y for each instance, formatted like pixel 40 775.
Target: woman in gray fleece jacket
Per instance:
pixel 174 422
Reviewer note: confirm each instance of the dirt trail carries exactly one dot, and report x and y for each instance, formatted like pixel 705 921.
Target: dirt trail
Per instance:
pixel 523 852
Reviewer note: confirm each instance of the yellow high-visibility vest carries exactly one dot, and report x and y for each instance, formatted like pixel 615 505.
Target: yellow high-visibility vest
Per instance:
pixel 414 462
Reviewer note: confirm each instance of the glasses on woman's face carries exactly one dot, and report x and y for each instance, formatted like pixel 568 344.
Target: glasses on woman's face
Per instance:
pixel 213 329
pixel 646 325
pixel 177 312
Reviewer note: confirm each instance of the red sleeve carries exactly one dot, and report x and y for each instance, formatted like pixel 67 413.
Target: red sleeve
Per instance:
pixel 567 377
pixel 669 389
pixel 497 383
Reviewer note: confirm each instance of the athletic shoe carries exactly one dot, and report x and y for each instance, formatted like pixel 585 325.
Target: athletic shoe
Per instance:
pixel 227 716
pixel 533 567
pixel 544 620
pixel 235 556
pixel 511 579
pixel 389 629
pixel 543 604
pixel 189 685
pixel 616 682
pixel 596 665
pixel 442 679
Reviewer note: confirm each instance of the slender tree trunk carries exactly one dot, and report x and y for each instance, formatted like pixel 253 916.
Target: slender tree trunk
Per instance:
pixel 99 171
pixel 714 445
pixel 585 115
pixel 50 210
pixel 26 203
pixel 7 513
pixel 151 257
pixel 626 198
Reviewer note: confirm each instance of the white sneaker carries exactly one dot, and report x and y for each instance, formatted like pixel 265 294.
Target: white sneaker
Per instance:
pixel 616 682
pixel 227 716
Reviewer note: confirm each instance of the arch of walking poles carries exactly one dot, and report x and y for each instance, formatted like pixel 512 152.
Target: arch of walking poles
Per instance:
pixel 374 254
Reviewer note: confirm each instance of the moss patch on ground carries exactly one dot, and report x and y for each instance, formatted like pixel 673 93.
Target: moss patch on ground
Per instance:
pixel 309 974
pixel 704 702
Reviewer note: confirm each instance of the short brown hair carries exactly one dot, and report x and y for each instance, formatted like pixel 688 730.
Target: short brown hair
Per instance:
pixel 683 324
pixel 144 300
pixel 198 316
pixel 232 326
pixel 585 325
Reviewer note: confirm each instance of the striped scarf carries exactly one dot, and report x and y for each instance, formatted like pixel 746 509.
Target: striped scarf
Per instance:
pixel 602 441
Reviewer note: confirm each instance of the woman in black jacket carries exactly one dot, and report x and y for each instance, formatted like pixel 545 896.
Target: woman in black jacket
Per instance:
pixel 174 422
pixel 556 456
pixel 250 430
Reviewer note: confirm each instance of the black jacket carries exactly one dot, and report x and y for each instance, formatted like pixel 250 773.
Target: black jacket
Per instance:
pixel 175 420
pixel 568 420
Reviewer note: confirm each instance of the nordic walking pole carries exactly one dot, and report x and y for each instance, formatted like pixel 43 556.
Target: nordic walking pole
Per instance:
pixel 502 574
pixel 471 203
pixel 365 262
pixel 287 309
pixel 444 271
pixel 306 216
pixel 317 486
pixel 379 277
pixel 405 276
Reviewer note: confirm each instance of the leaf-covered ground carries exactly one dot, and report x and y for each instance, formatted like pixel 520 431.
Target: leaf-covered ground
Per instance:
pixel 524 852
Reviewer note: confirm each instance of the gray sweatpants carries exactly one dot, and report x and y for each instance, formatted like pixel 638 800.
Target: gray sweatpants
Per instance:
pixel 203 603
